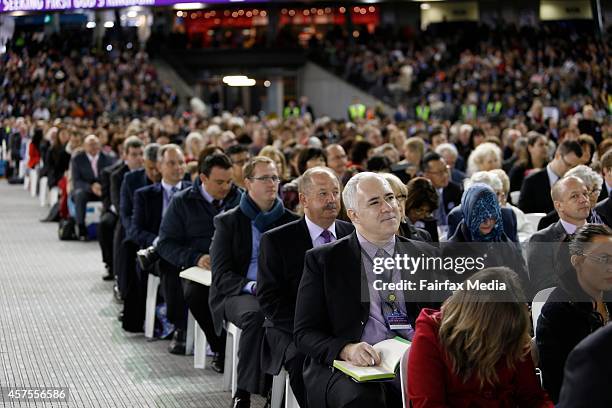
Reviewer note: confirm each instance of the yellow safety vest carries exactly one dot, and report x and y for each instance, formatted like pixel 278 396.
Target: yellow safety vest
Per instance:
pixel 357 111
pixel 422 112
pixel 289 111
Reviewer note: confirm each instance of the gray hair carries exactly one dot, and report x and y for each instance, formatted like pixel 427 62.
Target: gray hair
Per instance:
pixel 304 182
pixel 447 147
pixel 349 194
pixel 588 176
pixel 163 149
pixel 485 177
pixel 150 151
pixel 480 153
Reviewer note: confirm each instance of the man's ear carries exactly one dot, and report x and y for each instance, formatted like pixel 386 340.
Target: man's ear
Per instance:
pixel 352 215
pixel 576 260
pixel 302 198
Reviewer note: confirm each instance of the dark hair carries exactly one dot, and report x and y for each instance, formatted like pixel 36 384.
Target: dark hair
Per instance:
pixel 359 151
pixel 421 192
pixel 236 149
pixel 206 164
pixel 431 156
pixel 570 146
pixel 207 151
pixel 37 137
pixel 308 154
pixel 379 163
pixel 475 132
pixel 587 140
pixel 585 235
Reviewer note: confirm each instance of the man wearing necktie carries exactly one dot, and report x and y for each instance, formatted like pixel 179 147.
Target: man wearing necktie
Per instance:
pixel 548 253
pixel 281 261
pixel 150 204
pixel 85 168
pixel 339 315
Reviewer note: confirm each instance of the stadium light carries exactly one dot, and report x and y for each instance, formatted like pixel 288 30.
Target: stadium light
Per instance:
pixel 238 80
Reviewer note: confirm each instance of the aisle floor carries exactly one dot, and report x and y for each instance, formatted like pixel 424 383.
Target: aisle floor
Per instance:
pixel 59 328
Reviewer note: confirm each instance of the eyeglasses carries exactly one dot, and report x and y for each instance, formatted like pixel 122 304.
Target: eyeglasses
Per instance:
pixel 265 179
pixel 600 259
pixel 440 172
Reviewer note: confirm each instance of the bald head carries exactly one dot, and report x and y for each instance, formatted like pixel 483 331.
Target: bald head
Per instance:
pixel 336 159
pixel 571 199
pixel 320 195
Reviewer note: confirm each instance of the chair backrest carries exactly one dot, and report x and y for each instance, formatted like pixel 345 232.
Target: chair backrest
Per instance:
pixel 403 369
pixel 538 303
pixel 534 218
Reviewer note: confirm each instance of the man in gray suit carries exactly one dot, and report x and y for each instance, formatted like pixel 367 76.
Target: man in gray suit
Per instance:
pixel 86 168
pixel 547 256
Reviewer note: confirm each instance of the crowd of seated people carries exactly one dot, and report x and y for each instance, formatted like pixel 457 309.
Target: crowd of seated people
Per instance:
pixel 290 215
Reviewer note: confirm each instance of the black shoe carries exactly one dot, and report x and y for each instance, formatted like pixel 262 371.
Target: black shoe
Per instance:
pixel 239 402
pixel 147 257
pixel 83 233
pixel 218 363
pixel 177 345
pixel 109 275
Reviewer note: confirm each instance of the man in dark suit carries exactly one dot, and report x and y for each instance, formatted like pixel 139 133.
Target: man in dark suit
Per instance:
pixel 535 193
pixel 449 194
pixel 604 210
pixel 125 254
pixel 547 257
pixel 150 203
pixel 132 158
pixel 281 262
pixel 185 236
pixel 588 371
pixel 234 255
pixel 339 315
pixel 86 168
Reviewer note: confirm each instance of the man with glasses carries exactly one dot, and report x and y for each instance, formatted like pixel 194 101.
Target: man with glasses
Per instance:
pixel 546 256
pixel 234 255
pixel 535 193
pixel 449 194
pixel 239 155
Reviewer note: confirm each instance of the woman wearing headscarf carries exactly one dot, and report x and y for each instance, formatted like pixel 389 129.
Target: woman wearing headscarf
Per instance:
pixel 481 234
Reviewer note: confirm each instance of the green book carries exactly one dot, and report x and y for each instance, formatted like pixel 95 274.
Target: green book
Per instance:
pixel 391 352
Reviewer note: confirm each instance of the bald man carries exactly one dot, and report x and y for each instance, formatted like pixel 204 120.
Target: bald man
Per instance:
pixel 547 259
pixel 86 168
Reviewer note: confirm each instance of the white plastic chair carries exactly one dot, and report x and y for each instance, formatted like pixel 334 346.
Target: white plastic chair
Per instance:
pixel 538 303
pixel 196 339
pixel 54 196
pixel 514 197
pixel 278 388
pixel 534 218
pixel 403 369
pixel 152 287
pixel 290 400
pixel 33 182
pixel 43 193
pixel 230 376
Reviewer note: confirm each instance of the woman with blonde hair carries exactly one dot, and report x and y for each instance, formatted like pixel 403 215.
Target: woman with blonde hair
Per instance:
pixel 273 153
pixel 475 351
pixel 487 156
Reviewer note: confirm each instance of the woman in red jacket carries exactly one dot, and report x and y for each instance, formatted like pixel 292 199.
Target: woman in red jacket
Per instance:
pixel 475 351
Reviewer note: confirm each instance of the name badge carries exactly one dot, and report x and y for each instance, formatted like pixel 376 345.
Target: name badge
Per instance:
pixel 397 320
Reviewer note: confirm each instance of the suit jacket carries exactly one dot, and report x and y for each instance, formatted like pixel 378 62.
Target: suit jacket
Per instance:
pixel 147 217
pixel 82 173
pixel 105 181
pixel 535 194
pixel 116 180
pixel 132 181
pixel 508 220
pixel 451 196
pixel 604 193
pixel 280 266
pixel 329 312
pixel 230 254
pixel 588 371
pixel 187 228
pixel 604 209
pixel 546 257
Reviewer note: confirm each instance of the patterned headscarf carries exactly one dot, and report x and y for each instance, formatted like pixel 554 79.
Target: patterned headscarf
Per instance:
pixel 478 204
